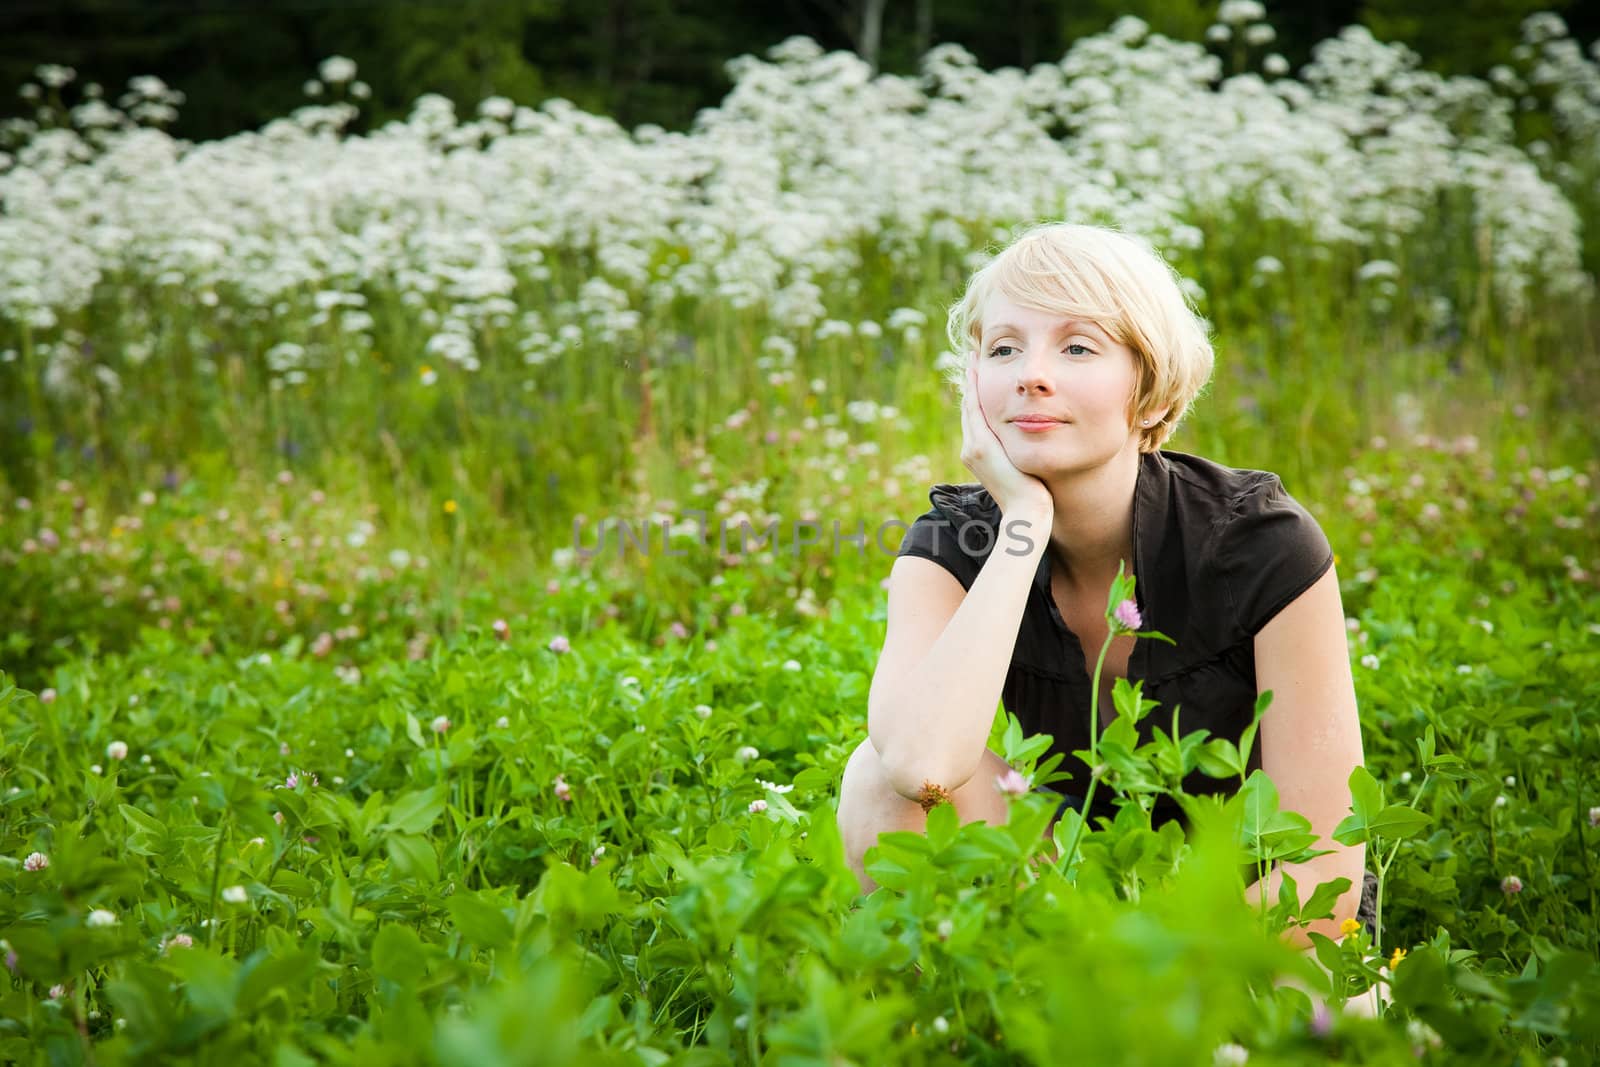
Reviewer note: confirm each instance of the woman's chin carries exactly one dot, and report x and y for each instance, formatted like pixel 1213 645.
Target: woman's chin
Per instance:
pixel 1034 467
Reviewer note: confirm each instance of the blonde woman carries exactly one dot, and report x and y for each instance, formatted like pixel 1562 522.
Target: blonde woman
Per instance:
pixel 1081 356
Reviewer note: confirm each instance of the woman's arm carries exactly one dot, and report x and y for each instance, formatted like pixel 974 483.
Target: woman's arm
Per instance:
pixel 945 657
pixel 1311 741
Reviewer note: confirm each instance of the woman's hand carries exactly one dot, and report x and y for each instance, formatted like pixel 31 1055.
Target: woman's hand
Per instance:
pixel 986 457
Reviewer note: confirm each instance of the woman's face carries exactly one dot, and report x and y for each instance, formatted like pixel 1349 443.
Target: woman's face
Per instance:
pixel 1071 373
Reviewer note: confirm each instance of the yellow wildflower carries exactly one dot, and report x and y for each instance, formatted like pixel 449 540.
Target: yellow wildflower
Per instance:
pixel 1394 960
pixel 116 531
pixel 1348 927
pixel 449 507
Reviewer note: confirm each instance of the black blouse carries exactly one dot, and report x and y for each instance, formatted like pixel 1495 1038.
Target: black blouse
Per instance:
pixel 1218 551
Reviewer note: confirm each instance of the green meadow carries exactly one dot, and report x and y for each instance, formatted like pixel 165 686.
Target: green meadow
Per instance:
pixel 336 727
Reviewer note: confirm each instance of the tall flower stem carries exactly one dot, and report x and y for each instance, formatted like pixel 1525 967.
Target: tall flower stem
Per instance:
pixel 1094 749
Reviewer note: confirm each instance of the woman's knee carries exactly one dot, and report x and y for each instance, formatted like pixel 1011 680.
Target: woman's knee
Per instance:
pixel 866 781
pixel 867 801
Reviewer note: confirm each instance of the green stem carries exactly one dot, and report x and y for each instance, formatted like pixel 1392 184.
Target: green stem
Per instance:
pixel 1583 839
pixel 752 1041
pixel 1383 874
pixel 216 881
pixel 1094 750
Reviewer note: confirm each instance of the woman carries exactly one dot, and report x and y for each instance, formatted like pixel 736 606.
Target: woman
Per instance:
pixel 1082 355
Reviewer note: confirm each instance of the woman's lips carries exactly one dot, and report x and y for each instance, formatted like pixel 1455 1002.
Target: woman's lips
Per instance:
pixel 1036 425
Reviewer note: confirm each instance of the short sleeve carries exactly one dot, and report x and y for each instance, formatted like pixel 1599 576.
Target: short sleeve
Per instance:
pixel 937 534
pixel 1269 552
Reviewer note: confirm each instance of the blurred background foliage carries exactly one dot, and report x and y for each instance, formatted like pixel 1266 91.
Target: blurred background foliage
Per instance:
pixel 243 62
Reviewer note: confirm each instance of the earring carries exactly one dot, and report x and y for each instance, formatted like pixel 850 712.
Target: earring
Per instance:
pixel 1146 422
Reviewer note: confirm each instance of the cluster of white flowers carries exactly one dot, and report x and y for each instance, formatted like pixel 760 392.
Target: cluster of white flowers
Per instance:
pixel 770 194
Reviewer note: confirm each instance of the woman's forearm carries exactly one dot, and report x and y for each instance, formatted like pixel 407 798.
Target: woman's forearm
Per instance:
pixel 932 724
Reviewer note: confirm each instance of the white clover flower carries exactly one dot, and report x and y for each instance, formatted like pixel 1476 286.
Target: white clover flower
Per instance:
pixel 1259 34
pixel 746 753
pixel 1239 12
pixel 757 806
pixel 904 317
pixel 1423 1035
pixel 863 411
pixel 336 70
pixel 1377 268
pixel 53 75
pixel 1369 661
pixel 117 750
pixel 1230 1055
pixel 497 107
pixel 235 894
pixel 100 917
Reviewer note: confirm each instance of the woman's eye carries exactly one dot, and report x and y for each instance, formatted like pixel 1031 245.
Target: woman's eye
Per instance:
pixel 1081 350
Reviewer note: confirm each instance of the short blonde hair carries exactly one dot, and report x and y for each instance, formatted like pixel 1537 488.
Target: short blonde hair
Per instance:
pixel 1115 280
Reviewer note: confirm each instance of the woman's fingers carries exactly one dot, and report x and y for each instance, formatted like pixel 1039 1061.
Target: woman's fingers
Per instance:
pixel 977 405
pixel 986 457
pixel 973 425
pixel 969 436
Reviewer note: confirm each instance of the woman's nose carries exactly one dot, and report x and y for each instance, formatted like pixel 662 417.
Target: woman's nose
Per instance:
pixel 1033 373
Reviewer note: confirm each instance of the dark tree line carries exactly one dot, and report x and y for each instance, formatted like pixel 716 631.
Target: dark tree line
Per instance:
pixel 243 62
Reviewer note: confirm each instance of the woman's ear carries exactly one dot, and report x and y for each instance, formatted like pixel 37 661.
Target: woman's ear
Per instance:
pixel 1150 418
